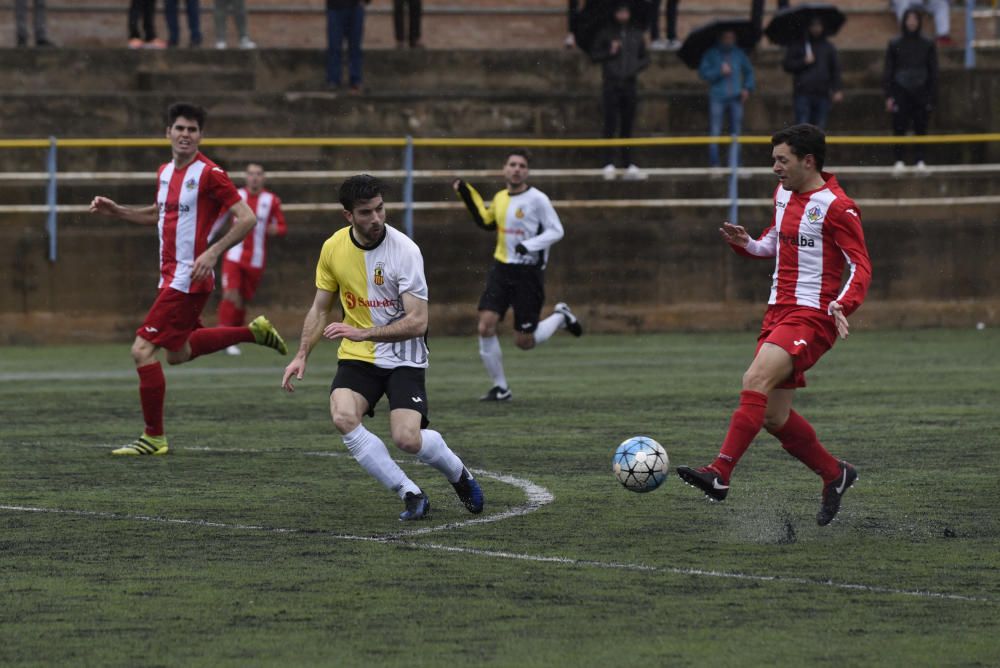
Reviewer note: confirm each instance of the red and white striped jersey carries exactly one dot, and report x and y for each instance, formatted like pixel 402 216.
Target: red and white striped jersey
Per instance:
pixel 189 200
pixel 813 237
pixel 252 251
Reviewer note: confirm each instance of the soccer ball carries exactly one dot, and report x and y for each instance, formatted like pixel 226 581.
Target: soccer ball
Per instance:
pixel 640 464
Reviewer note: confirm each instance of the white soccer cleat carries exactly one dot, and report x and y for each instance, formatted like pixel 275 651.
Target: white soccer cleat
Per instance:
pixel 234 350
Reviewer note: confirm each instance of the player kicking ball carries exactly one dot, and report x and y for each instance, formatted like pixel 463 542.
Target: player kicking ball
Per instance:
pixel 378 274
pixel 192 192
pixel 816 232
pixel 527 226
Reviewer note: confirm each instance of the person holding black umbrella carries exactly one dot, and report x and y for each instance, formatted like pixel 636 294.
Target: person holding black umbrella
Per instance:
pixel 816 69
pixel 910 83
pixel 728 71
pixel 621 50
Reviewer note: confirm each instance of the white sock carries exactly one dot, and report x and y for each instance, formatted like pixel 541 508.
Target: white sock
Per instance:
pixel 489 351
pixel 369 451
pixel 548 327
pixel 435 452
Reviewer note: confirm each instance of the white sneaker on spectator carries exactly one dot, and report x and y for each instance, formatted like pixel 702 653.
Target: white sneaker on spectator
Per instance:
pixel 674 45
pixel 609 172
pixel 633 173
pixel 220 44
pixel 247 43
pixel 234 350
pixel 570 41
pixel 922 166
pixel 659 45
pixel 898 168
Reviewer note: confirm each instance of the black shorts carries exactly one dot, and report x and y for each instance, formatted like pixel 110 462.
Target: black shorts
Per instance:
pixel 519 285
pixel 404 386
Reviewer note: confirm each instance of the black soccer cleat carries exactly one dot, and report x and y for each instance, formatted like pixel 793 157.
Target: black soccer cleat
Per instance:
pixel 498 394
pixel 833 492
pixel 417 507
pixel 573 325
pixel 470 493
pixel 705 479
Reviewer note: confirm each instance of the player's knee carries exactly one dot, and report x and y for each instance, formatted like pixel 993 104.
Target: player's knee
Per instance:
pixel 525 341
pixel 344 421
pixel 756 381
pixel 487 329
pixel 774 422
pixel 142 354
pixel 407 440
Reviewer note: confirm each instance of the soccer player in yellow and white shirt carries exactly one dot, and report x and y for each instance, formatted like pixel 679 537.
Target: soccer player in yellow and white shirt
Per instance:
pixel 527 226
pixel 378 274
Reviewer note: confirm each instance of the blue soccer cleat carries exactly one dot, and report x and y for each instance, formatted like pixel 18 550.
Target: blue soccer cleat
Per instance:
pixel 469 492
pixel 417 507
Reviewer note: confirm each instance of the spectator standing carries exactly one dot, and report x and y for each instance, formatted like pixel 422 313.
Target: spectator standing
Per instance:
pixel 400 10
pixel 345 18
pixel 656 43
pixel 193 10
pixel 621 50
pixel 728 71
pixel 939 9
pixel 238 10
pixel 672 43
pixel 816 69
pixel 145 11
pixel 21 21
pixel 910 83
pixel 757 15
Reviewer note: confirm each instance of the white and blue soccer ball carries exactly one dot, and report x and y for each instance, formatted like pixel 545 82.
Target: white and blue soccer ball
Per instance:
pixel 640 464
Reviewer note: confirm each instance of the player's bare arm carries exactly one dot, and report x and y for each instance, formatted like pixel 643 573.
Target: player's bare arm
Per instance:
pixel 312 330
pixel 411 325
pixel 244 220
pixel 734 234
pixel 140 215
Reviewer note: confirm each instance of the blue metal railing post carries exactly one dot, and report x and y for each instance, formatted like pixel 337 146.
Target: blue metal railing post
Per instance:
pixel 408 187
pixel 970 34
pixel 50 198
pixel 734 178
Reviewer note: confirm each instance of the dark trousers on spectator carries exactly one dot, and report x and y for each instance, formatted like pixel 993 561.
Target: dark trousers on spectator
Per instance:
pixel 173 25
pixel 911 109
pixel 344 23
pixel 144 10
pixel 620 100
pixel 813 109
pixel 672 19
pixel 717 112
pixel 654 25
pixel 21 20
pixel 757 15
pixel 573 14
pixel 415 8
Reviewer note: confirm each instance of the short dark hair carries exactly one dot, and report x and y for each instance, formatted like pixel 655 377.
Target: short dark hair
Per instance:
pixel 187 110
pixel 803 139
pixel 523 152
pixel 359 188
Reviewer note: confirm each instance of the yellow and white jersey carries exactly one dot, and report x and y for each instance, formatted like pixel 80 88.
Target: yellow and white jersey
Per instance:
pixel 527 218
pixel 371 283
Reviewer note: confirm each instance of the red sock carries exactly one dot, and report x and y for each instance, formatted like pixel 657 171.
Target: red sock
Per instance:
pixel 798 438
pixel 152 390
pixel 212 339
pixel 747 421
pixel 229 315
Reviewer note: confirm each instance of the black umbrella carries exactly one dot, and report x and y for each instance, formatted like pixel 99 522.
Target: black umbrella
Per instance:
pixel 598 14
pixel 790 25
pixel 702 38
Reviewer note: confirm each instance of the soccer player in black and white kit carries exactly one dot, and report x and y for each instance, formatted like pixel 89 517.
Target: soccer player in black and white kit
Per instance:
pixel 527 226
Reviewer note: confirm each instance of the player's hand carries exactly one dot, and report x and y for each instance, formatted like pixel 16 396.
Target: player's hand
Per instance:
pixel 456 184
pixel 297 368
pixel 520 249
pixel 734 234
pixel 890 105
pixel 838 97
pixel 203 265
pixel 339 330
pixel 103 206
pixel 616 46
pixel 726 69
pixel 837 311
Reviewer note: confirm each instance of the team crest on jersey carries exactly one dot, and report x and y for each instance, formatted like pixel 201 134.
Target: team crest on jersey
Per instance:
pixel 519 213
pixel 191 184
pixel 379 274
pixel 814 214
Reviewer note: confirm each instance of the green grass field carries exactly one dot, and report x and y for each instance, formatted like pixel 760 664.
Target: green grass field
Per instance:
pixel 257 542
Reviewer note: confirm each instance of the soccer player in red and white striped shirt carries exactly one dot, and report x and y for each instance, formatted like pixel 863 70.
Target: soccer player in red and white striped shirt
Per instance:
pixel 243 264
pixel 192 192
pixel 815 235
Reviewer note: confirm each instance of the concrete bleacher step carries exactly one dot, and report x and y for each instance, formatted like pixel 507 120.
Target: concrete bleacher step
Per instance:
pixel 194 80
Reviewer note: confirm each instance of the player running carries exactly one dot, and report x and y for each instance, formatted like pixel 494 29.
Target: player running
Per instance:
pixel 192 191
pixel 815 233
pixel 378 274
pixel 243 264
pixel 527 226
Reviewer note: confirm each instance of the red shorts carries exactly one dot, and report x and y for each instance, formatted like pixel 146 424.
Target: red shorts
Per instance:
pixel 804 333
pixel 242 279
pixel 172 318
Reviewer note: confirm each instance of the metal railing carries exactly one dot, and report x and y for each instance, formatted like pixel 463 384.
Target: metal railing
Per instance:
pixel 409 144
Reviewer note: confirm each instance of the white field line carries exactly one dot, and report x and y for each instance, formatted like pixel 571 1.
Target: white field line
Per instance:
pixel 537 496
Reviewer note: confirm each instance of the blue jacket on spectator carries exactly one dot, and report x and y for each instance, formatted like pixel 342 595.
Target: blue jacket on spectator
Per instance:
pixel 726 87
